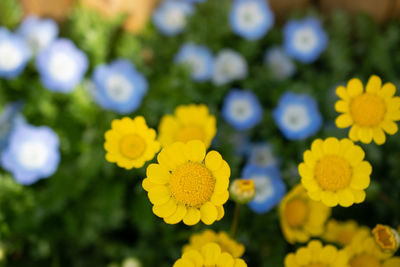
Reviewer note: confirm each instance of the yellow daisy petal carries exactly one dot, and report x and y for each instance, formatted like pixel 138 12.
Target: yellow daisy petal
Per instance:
pixel 221 212
pixel 341 106
pixel 342 92
pixel 220 198
pixel 374 84
pixel 194 257
pixel 390 127
pixel 211 253
pixel 225 260
pixel 159 195
pixel 184 263
pixel 166 209
pixel 213 160
pixel 343 121
pixel 195 151
pixel 346 198
pixel 209 213
pixel 379 136
pixel 329 198
pixel 388 90
pixel 177 216
pixel 354 87
pixel 157 174
pixel 366 135
pixel 192 216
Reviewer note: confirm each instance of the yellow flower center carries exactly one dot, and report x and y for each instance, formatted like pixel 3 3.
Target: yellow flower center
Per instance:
pixel 365 260
pixel 246 185
pixel 296 212
pixel 317 265
pixel 333 173
pixel 190 132
pixel 384 237
pixel 132 146
pixel 192 184
pixel 368 110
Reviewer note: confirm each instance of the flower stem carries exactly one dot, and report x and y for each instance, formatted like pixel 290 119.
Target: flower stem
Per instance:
pixel 235 220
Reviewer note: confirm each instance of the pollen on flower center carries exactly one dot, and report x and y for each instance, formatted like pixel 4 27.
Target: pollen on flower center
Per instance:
pixel 368 110
pixel 296 212
pixel 190 132
pixel 192 184
pixel 317 265
pixel 333 173
pixel 132 146
pixel 365 260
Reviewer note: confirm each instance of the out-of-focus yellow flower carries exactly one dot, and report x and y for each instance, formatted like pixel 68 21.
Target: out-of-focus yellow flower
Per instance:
pixel 334 172
pixel 191 122
pixel 370 113
pixel 386 237
pixel 342 233
pixel 363 251
pixel 130 143
pixel 187 184
pixel 316 255
pixel 242 190
pixel 209 255
pixel 227 244
pixel 301 217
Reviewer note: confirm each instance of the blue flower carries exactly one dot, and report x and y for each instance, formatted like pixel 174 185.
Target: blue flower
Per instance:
pixel 305 39
pixel 170 17
pixel 261 155
pixel 14 54
pixel 8 120
pixel 38 33
pixel 297 116
pixel 279 64
pixel 198 58
pixel 32 153
pixel 242 109
pixel 119 86
pixel 251 19
pixel 61 66
pixel 229 66
pixel 270 188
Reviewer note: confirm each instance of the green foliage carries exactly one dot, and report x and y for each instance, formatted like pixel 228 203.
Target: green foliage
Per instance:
pixel 91 213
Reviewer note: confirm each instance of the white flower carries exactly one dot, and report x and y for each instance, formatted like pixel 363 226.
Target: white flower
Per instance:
pixel 229 66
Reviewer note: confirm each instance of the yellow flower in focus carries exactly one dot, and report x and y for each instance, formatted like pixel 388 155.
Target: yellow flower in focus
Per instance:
pixel 301 217
pixel 242 190
pixel 130 143
pixel 191 122
pixel 370 113
pixel 387 238
pixel 342 233
pixel 316 255
pixel 334 172
pixel 187 184
pixel 227 244
pixel 364 252
pixel 209 255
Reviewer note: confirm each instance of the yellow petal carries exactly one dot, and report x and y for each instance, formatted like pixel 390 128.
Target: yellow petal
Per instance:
pixel 344 121
pixel 177 216
pixel 315 195
pixel 221 212
pixel 211 253
pixel 303 256
pixel 219 198
pixel 192 216
pixel 346 198
pixel 366 135
pixel 158 174
pixel 305 171
pixel 342 106
pixel 392 262
pixel 390 127
pixel 213 160
pixel 354 155
pixel 344 145
pixel 388 90
pixel 166 209
pixel 359 195
pixel 316 148
pixel 310 184
pixel 331 146
pixel 147 184
pixel 225 260
pixel 309 158
pixel 363 168
pixel 159 195
pixel 342 92
pixel 183 263
pixel 329 198
pixel 209 213
pixel 195 150
pixel 360 181
pixel 354 87
pixel 379 136
pixel 374 84
pixel 328 254
pixel 193 256
pixel 353 133
pixel 240 263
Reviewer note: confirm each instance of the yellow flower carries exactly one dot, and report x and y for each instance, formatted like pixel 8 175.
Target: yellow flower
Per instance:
pixel 386 238
pixel 227 244
pixel 130 143
pixel 187 184
pixel 242 190
pixel 364 252
pixel 334 172
pixel 209 255
pixel 369 113
pixel 301 217
pixel 342 233
pixel 191 122
pixel 316 255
